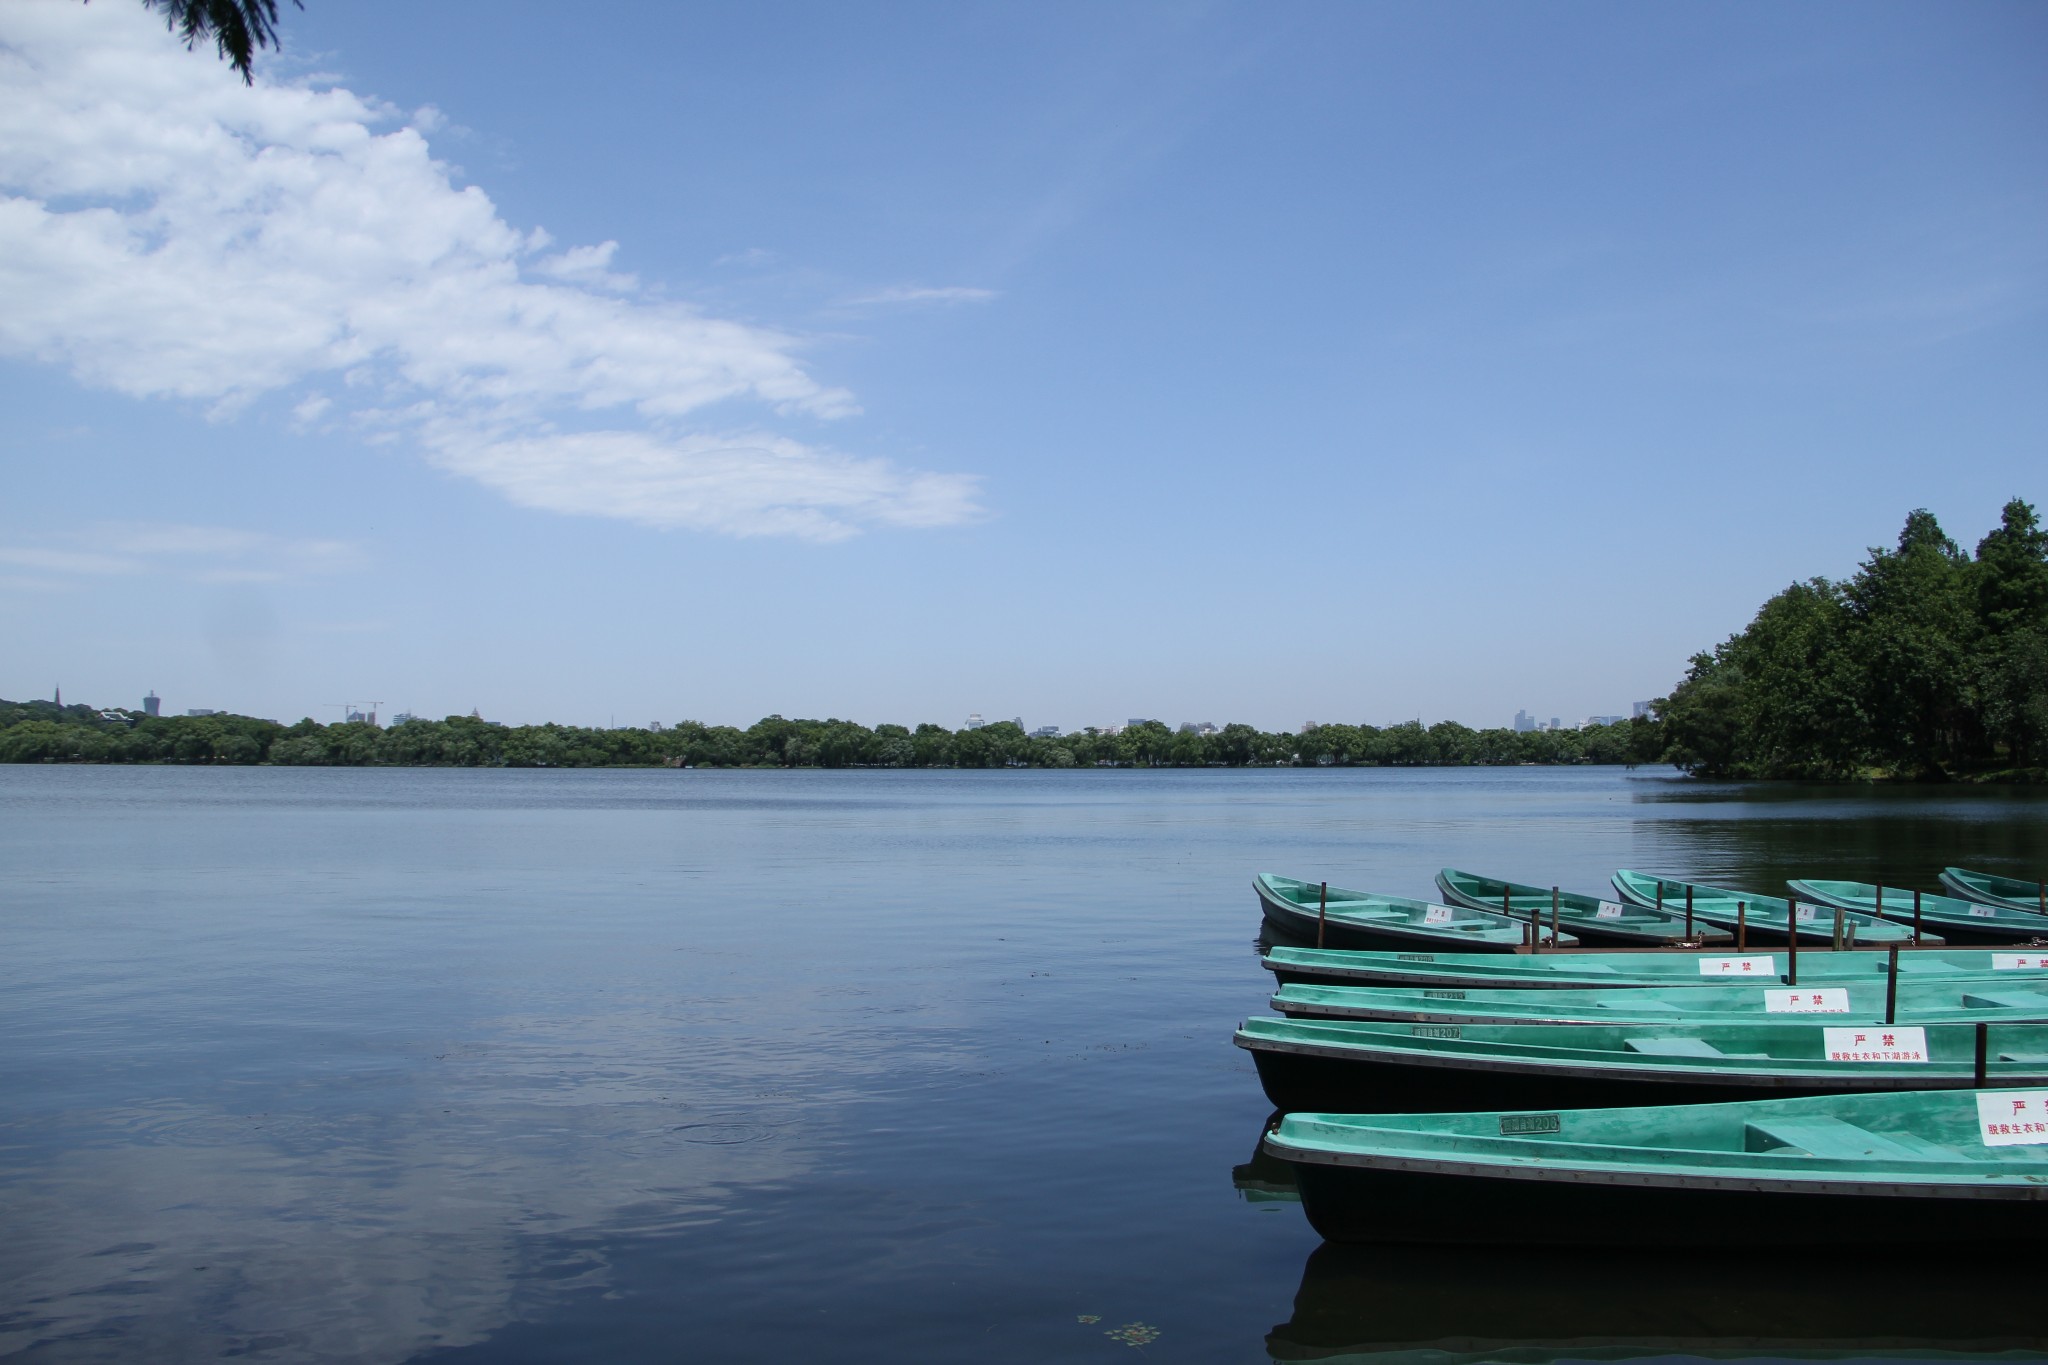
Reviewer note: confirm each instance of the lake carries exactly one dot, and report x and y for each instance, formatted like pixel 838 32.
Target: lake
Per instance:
pixel 623 1066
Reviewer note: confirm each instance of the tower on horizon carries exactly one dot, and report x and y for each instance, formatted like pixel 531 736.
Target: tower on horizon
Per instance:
pixel 151 703
pixel 59 698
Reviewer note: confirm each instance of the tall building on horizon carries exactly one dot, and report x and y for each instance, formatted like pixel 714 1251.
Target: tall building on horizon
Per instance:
pixel 152 704
pixel 1524 722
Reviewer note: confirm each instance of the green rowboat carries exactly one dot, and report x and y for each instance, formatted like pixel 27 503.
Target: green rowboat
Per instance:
pixel 1918 1002
pixel 1955 919
pixel 1593 920
pixel 1566 971
pixel 1938 1166
pixel 1359 919
pixel 1354 1066
pixel 1763 917
pixel 1988 888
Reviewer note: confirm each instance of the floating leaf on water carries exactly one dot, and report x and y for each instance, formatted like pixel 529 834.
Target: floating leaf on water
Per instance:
pixel 1134 1334
pixel 1088 1317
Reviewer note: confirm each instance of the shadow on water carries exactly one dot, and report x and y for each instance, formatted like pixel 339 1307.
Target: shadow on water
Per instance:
pixel 1444 1304
pixel 1754 836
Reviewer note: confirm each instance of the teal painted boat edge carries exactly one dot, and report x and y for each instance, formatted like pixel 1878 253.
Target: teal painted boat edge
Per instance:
pixel 1347 922
pixel 1835 1141
pixel 1749 1057
pixel 1621 971
pixel 1637 925
pixel 1954 916
pixel 1767 918
pixel 1989 888
pixel 1853 1003
pixel 1887 1168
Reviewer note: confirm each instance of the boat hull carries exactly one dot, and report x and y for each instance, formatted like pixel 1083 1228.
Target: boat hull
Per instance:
pixel 1552 1208
pixel 1309 1083
pixel 1972 886
pixel 1589 928
pixel 1299 926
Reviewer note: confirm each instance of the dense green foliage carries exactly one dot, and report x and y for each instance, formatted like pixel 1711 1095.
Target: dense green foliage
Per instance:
pixel 38 732
pixel 1926 664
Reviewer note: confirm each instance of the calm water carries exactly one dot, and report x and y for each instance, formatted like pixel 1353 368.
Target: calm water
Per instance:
pixel 672 1066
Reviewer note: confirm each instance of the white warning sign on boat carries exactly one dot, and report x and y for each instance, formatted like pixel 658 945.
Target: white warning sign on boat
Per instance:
pixel 1808 913
pixel 1608 910
pixel 1878 1043
pixel 1800 1000
pixel 1984 911
pixel 2015 962
pixel 1759 965
pixel 2013 1118
pixel 1437 914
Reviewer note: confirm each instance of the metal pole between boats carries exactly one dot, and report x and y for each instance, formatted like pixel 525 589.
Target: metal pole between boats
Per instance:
pixel 1891 989
pixel 1688 907
pixel 1916 919
pixel 1838 928
pixel 1880 900
pixel 1791 944
pixel 1983 1052
pixel 1553 917
pixel 1322 914
pixel 1741 925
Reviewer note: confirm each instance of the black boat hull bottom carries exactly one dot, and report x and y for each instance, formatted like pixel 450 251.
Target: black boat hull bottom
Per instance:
pixel 1355 1204
pixel 1298 1083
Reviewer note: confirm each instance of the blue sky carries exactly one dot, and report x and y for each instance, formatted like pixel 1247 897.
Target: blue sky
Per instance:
pixel 1072 361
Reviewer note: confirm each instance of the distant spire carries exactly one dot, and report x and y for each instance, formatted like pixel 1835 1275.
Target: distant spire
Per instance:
pixel 59 698
pixel 473 714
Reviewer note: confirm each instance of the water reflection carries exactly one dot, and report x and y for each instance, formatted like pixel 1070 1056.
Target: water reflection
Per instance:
pixel 1755 837
pixel 1443 1304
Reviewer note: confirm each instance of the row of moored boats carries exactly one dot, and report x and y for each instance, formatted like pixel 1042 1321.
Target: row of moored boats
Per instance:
pixel 1827 1066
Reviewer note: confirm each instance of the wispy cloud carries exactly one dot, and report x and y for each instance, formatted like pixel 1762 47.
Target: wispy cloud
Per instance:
pixel 920 293
pixel 202 554
pixel 168 232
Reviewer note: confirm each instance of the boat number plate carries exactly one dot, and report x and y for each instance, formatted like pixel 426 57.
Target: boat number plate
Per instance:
pixel 1608 910
pixel 1808 913
pixel 1437 914
pixel 1760 965
pixel 1443 995
pixel 2011 962
pixel 1830 1000
pixel 1900 1044
pixel 1418 957
pixel 1514 1124
pixel 2009 1118
pixel 1983 911
pixel 1435 1031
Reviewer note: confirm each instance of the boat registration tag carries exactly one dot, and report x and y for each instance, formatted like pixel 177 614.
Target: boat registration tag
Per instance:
pixel 1514 1125
pixel 1901 1044
pixel 2012 962
pixel 2013 1118
pixel 1983 911
pixel 1437 914
pixel 1761 965
pixel 1808 913
pixel 1828 1000
pixel 1608 910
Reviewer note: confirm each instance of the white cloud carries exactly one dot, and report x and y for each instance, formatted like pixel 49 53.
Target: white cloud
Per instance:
pixel 917 293
pixel 166 231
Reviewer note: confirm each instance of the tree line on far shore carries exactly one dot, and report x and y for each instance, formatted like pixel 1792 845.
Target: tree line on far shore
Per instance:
pixel 41 732
pixel 1926 664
